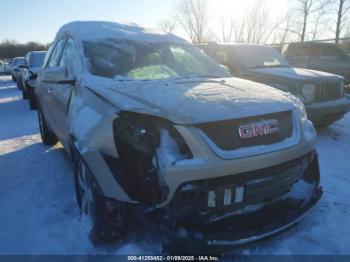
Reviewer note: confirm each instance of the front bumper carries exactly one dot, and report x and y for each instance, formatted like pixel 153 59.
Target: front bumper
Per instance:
pixel 327 112
pixel 238 228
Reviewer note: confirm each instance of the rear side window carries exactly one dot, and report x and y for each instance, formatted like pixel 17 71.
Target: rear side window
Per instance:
pixel 331 50
pixel 56 54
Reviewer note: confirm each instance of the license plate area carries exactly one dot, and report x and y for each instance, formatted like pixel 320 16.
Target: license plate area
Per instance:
pixel 225 197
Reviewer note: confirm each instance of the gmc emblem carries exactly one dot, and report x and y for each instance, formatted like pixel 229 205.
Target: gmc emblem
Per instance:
pixel 262 128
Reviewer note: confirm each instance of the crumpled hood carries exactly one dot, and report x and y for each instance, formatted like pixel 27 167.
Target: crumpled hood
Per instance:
pixel 192 101
pixel 296 74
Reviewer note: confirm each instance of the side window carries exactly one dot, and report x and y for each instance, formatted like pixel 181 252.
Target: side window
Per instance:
pixel 68 57
pixel 330 51
pixel 48 54
pixel 222 56
pixel 56 54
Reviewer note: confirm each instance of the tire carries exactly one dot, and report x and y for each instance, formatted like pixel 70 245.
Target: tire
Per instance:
pixel 32 105
pixel 31 98
pixel 13 79
pixel 19 83
pixel 24 94
pixel 109 217
pixel 47 136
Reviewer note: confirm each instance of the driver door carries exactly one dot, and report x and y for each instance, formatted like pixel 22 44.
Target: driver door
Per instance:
pixel 47 87
pixel 61 92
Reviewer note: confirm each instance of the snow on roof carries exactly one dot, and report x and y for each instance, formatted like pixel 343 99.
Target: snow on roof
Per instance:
pixel 95 30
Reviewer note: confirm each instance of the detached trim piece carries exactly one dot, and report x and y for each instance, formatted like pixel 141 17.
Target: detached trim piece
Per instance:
pixel 104 177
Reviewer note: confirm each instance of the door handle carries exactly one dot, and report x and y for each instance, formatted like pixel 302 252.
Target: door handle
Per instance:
pixel 49 90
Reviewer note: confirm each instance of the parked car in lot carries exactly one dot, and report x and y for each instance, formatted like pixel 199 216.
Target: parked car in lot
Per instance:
pixel 33 63
pixel 2 67
pixel 15 68
pixel 158 131
pixel 7 66
pixel 321 92
pixel 325 57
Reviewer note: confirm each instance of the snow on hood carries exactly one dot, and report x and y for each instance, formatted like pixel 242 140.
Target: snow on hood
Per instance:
pixel 195 100
pixel 95 30
pixel 297 74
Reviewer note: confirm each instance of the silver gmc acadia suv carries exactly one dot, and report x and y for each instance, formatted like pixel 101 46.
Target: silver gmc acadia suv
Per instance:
pixel 159 133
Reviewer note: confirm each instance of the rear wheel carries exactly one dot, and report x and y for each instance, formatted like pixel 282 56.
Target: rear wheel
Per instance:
pixel 47 136
pixel 108 216
pixel 13 78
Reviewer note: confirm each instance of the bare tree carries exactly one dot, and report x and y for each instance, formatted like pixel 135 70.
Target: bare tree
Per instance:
pixel 342 8
pixel 167 25
pixel 193 16
pixel 319 15
pixel 307 9
pixel 252 27
pixel 227 28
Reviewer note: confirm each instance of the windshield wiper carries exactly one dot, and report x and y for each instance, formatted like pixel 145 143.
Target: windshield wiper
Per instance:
pixel 268 66
pixel 210 76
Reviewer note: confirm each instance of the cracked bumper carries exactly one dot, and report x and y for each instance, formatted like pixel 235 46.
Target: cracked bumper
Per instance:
pixel 242 228
pixel 262 224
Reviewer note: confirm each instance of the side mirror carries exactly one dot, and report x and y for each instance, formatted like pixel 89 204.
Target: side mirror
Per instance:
pixel 57 75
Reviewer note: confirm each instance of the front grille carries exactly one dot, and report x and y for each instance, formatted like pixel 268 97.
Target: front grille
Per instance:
pixel 328 91
pixel 260 186
pixel 225 134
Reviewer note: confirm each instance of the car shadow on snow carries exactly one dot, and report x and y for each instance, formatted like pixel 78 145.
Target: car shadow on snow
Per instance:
pixel 14 126
pixel 37 184
pixel 8 92
pixel 37 194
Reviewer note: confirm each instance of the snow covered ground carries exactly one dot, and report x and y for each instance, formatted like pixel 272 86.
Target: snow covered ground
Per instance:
pixel 38 213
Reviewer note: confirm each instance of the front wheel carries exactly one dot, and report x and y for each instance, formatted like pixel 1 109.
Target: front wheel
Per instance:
pixel 109 217
pixel 47 136
pixel 24 94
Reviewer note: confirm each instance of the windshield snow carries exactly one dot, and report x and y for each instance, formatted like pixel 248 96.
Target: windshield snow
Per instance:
pixel 125 59
pixel 259 57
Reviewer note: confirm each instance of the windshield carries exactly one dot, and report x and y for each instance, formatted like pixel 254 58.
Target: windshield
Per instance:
pixel 37 59
pixel 124 59
pixel 259 57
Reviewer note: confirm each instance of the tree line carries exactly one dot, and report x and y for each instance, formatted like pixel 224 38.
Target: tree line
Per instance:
pixel 303 20
pixel 11 48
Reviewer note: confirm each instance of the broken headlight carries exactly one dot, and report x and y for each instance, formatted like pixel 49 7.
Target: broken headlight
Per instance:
pixel 146 145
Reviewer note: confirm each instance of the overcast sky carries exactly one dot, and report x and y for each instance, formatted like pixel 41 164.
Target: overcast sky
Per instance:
pixel 39 20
